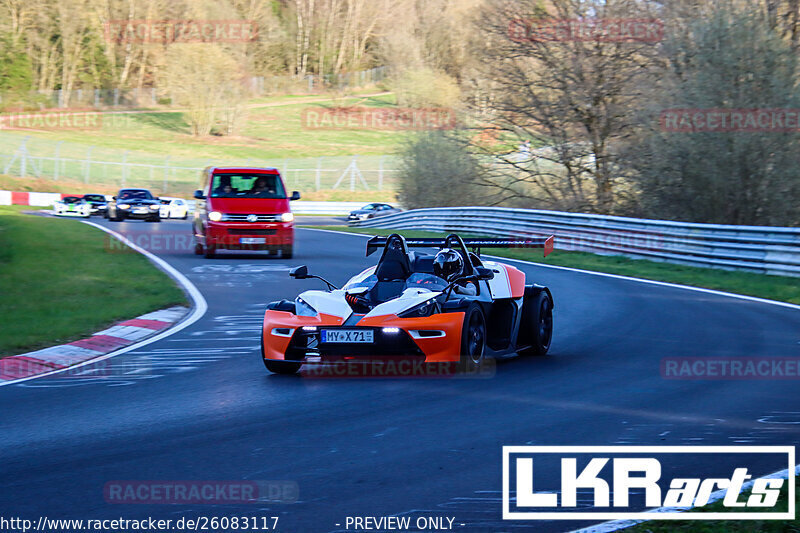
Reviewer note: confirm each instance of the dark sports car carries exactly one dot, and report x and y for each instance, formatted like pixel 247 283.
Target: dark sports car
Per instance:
pixel 409 305
pixel 135 204
pixel 97 202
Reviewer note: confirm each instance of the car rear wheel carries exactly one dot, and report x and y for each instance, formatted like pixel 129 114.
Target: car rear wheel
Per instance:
pixel 473 338
pixel 536 328
pixel 279 367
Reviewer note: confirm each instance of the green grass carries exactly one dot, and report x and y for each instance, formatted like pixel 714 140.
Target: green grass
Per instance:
pixel 785 289
pixel 273 131
pixel 732 526
pixel 60 283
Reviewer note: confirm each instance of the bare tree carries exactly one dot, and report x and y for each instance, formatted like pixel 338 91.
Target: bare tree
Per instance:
pixel 568 95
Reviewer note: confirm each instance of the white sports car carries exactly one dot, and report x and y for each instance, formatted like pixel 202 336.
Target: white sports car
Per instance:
pixel 173 207
pixel 72 206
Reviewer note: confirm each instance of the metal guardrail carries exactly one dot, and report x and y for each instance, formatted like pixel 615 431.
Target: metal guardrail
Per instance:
pixel 763 249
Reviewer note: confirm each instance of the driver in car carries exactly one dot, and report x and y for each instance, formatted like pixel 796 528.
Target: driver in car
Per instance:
pixel 449 265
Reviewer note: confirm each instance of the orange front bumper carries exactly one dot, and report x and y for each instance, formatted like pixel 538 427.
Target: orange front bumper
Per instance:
pixel 280 326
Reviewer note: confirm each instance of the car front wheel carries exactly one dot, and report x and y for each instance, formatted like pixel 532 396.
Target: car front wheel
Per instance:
pixel 473 338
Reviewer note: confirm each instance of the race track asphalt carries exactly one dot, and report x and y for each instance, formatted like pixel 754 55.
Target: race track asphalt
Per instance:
pixel 199 405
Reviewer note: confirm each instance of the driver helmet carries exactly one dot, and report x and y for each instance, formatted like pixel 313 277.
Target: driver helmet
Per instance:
pixel 448 264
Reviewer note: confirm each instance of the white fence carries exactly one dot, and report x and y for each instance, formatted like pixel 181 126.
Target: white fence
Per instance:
pixel 166 175
pixel 763 249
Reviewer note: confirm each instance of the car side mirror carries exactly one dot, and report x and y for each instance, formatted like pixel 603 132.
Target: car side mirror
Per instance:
pixel 484 274
pixel 300 272
pixel 113 197
pixel 295 196
pixel 199 195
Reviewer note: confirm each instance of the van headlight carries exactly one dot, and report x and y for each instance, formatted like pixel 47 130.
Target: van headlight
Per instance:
pixel 215 216
pixel 286 217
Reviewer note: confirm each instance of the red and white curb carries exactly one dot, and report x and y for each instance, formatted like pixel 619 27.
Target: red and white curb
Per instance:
pixel 59 359
pixel 32 364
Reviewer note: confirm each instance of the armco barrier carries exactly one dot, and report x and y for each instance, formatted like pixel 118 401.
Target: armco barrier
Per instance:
pixel 763 249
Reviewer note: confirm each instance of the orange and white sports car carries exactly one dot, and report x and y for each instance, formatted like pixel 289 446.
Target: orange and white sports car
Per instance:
pixel 401 307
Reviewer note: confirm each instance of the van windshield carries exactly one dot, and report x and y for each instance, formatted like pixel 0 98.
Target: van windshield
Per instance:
pixel 247 186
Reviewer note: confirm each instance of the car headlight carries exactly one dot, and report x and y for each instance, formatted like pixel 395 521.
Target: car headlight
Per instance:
pixel 426 308
pixel 123 206
pixel 303 309
pixel 286 217
pixel 215 216
pixel 155 207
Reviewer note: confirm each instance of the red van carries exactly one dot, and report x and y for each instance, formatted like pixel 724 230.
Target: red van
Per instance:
pixel 243 209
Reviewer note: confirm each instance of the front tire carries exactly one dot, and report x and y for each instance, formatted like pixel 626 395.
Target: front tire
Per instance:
pixel 210 252
pixel 473 338
pixel 287 252
pixel 537 324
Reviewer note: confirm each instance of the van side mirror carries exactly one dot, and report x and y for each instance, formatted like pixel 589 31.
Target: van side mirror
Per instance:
pixel 300 272
pixel 199 195
pixel 295 196
pixel 484 274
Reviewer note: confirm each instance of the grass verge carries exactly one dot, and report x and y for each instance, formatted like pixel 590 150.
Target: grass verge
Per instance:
pixel 732 526
pixel 60 282
pixel 784 289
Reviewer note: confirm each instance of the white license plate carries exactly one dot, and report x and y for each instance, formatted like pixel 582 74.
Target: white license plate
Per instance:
pixel 252 240
pixel 140 210
pixel 356 336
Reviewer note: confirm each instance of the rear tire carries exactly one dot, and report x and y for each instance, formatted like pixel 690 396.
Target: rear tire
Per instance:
pixel 536 328
pixel 473 339
pixel 279 367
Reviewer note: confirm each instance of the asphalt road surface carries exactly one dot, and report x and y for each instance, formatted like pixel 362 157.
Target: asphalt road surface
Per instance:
pixel 199 405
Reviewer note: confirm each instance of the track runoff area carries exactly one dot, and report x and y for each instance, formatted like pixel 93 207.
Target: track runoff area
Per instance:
pixel 608 429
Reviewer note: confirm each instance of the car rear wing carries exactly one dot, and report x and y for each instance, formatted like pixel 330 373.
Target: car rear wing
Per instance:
pixel 474 243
